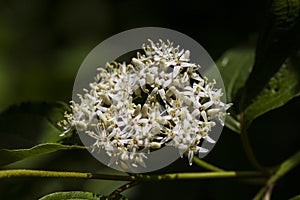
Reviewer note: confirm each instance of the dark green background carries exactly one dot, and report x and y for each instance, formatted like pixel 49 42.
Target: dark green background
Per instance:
pixel 42 43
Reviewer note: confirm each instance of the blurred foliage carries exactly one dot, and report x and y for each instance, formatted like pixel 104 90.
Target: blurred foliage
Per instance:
pixel 42 44
pixel 30 124
pixel 295 197
pixel 10 155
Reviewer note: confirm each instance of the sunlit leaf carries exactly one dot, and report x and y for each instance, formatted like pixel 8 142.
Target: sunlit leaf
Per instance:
pixel 71 195
pixel 79 195
pixel 284 86
pixel 8 156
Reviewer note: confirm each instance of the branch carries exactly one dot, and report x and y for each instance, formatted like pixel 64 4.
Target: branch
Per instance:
pixel 137 177
pixel 284 168
pixel 122 188
pixel 247 147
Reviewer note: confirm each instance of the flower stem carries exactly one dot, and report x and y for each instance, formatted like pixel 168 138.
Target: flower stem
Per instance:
pixel 285 167
pixel 233 124
pixel 249 151
pixel 247 147
pixel 206 165
pixel 137 177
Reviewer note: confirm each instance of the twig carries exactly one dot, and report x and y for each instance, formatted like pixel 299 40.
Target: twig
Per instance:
pixel 285 167
pixel 247 147
pixel 122 188
pixel 137 177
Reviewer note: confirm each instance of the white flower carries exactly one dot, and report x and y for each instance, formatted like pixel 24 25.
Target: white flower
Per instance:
pixel 160 99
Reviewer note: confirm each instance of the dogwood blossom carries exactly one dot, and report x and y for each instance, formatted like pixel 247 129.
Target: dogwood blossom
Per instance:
pixel 158 100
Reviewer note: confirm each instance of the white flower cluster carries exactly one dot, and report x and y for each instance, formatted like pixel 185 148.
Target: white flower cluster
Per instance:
pixel 160 99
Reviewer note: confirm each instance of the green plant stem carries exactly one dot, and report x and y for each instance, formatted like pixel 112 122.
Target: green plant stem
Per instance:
pixel 247 147
pixel 122 188
pixel 206 165
pixel 137 177
pixel 284 168
pixel 233 124
pixel 249 152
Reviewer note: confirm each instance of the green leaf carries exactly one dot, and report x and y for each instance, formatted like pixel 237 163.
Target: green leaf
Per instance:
pixel 9 156
pixel 295 197
pixel 284 86
pixel 235 66
pixel 29 124
pixel 74 195
pixel 51 111
pixel 278 40
pixel 79 195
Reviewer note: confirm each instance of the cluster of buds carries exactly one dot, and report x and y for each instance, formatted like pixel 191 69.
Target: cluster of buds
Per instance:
pixel 158 100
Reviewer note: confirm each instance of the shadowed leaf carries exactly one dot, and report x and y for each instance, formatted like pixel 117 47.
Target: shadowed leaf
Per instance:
pixel 8 156
pixel 235 66
pixel 284 86
pixel 29 124
pixel 278 40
